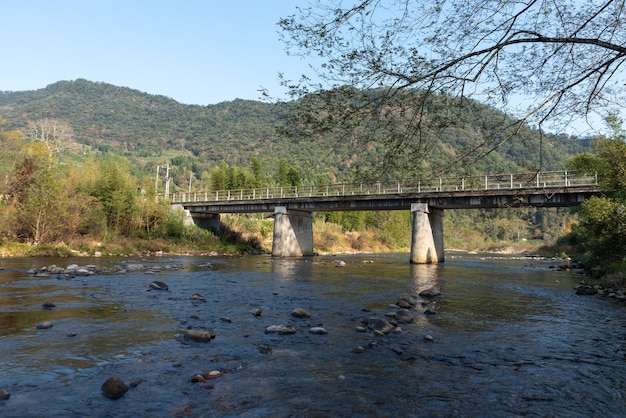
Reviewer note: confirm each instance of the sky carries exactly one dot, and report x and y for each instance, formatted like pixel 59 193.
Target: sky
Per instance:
pixel 193 51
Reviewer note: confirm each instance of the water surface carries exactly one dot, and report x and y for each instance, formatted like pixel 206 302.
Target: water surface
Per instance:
pixel 510 339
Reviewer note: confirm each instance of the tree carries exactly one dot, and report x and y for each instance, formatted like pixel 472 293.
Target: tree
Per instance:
pixel 602 228
pixel 56 135
pixel 382 66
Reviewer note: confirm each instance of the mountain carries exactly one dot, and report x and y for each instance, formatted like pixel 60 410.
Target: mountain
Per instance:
pixel 112 119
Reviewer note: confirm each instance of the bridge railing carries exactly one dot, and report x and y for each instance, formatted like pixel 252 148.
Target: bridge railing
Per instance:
pixel 549 179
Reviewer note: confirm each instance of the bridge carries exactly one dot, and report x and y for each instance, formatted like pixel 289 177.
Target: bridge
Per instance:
pixel 292 207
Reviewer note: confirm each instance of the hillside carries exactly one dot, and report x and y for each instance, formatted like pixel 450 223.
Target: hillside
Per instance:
pixel 154 129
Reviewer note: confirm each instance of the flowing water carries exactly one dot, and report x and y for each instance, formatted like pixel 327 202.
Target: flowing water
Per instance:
pixel 509 338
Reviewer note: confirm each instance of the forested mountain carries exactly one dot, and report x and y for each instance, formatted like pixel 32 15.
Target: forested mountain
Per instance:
pixel 156 129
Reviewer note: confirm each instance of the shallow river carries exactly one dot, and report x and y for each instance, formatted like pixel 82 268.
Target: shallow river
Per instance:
pixel 509 338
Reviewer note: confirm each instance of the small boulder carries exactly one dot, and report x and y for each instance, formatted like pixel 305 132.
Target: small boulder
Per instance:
pixel 432 292
pixel 300 313
pixel 4 394
pixel 44 325
pixel 280 329
pixel 199 335
pixel 114 387
pixel 158 285
pixel 406 301
pixel 256 312
pixel 379 325
pixel 318 330
pixel 197 297
pixel 404 316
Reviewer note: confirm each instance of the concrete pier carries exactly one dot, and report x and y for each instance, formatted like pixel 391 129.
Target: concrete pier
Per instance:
pixel 427 236
pixel 293 233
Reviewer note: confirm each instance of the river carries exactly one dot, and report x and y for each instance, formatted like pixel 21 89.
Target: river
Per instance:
pixel 509 338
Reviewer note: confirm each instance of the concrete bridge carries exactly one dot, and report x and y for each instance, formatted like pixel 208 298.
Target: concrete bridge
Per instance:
pixel 292 207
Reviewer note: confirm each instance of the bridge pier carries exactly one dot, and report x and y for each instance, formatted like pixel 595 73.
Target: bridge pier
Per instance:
pixel 427 236
pixel 293 233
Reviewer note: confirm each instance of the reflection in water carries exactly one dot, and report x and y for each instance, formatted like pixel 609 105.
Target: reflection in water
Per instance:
pixel 510 339
pixel 425 275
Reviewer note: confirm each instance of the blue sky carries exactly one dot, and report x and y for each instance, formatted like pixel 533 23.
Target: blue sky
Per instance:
pixel 194 51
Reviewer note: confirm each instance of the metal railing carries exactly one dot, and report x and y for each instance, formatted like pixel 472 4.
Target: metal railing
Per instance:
pixel 541 180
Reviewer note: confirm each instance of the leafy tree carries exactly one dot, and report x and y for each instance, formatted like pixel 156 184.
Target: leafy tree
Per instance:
pixel 602 228
pixel 382 68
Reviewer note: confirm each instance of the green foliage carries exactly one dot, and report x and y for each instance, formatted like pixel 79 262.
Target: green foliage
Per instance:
pixel 602 229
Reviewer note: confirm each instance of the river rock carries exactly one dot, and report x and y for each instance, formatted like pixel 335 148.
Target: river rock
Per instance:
pixel 380 325
pixel 585 289
pixel 256 312
pixel 4 394
pixel 213 374
pixel 72 267
pixel 114 387
pixel 200 335
pixel 280 329
pixel 300 313
pixel 318 330
pixel 135 267
pixel 404 316
pixel 48 305
pixel 197 297
pixel 158 285
pixel 44 325
pixel 406 301
pixel 56 270
pixel 432 292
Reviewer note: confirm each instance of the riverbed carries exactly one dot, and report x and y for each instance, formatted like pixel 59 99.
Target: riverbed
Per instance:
pixel 507 337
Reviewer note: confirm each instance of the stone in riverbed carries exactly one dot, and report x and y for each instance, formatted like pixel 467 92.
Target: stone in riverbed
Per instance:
pixel 158 285
pixel 404 316
pixel 379 325
pixel 300 313
pixel 432 292
pixel 406 301
pixel 4 394
pixel 44 325
pixel 318 330
pixel 280 329
pixel 114 387
pixel 202 336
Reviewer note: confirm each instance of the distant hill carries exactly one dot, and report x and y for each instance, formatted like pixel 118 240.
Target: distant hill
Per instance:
pixel 121 120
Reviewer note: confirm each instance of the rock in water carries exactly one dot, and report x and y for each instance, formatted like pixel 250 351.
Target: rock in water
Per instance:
pixel 379 325
pixel 318 330
pixel 203 336
pixel 300 313
pixel 280 329
pixel 4 394
pixel 158 285
pixel 406 301
pixel 114 387
pixel 44 325
pixel 404 316
pixel 432 292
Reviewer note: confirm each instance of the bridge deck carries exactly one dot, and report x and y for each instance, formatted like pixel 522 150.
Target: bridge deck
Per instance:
pixel 551 189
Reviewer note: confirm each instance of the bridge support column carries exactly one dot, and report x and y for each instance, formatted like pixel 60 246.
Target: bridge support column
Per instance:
pixel 293 233
pixel 427 237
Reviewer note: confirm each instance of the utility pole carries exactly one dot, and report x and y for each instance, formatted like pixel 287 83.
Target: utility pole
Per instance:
pixel 156 184
pixel 167 181
pixel 190 175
